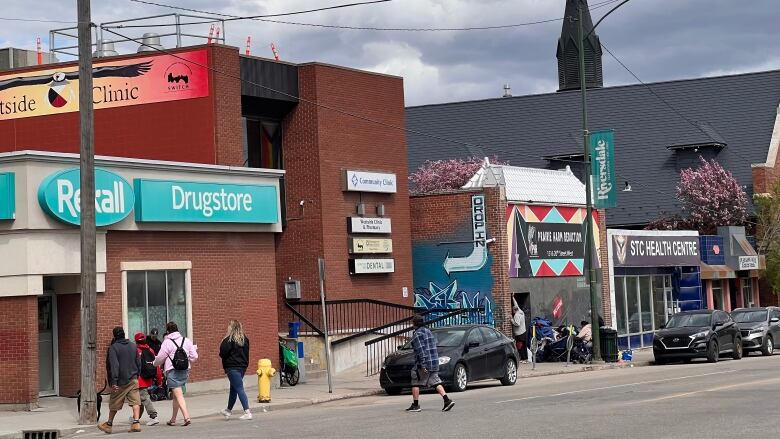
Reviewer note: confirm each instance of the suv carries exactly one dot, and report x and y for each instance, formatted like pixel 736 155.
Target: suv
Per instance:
pixel 697 334
pixel 760 328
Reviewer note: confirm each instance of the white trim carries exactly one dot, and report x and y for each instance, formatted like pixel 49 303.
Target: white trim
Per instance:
pixel 155 265
pixel 188 299
pixel 613 310
pixel 125 323
pixel 611 232
pixel 774 143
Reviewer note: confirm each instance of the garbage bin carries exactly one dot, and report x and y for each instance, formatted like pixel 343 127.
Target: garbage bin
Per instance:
pixel 608 344
pixel 294 327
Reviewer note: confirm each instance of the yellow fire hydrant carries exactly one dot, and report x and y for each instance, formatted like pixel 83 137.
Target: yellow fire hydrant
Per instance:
pixel 264 374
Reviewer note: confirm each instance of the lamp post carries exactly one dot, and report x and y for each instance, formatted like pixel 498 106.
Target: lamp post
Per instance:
pixel 590 272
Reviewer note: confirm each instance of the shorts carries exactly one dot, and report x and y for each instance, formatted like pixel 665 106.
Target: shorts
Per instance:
pixel 425 378
pixel 177 378
pixel 128 392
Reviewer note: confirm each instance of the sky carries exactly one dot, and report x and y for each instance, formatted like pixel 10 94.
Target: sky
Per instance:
pixel 658 40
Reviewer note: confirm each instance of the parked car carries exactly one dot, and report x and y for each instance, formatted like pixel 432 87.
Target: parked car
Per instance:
pixel 760 328
pixel 697 334
pixel 466 353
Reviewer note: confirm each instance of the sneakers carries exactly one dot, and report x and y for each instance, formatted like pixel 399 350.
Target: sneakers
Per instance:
pixel 448 406
pixel 135 428
pixel 246 416
pixel 414 408
pixel 152 421
pixel 105 428
pixel 226 413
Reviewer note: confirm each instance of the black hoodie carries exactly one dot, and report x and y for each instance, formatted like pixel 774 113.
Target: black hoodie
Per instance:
pixel 123 363
pixel 234 356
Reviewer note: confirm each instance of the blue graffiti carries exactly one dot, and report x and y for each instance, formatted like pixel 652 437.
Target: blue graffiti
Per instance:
pixel 449 297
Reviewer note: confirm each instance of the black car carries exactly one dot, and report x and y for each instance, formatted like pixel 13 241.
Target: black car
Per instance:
pixel 760 328
pixel 697 334
pixel 466 353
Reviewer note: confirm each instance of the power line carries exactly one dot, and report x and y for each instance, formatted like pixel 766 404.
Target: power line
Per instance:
pixel 35 20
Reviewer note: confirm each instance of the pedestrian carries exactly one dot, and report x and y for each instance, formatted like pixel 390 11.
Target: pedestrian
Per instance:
pixel 425 372
pixel 586 334
pixel 176 356
pixel 148 376
pixel 520 333
pixel 123 378
pixel 234 351
pixel 153 340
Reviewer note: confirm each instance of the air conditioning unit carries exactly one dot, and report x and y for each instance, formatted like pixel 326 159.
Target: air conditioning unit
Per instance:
pixel 292 289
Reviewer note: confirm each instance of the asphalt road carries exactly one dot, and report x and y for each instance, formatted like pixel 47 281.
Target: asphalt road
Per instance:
pixel 724 400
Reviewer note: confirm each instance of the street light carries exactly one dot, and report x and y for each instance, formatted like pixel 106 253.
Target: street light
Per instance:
pixel 590 272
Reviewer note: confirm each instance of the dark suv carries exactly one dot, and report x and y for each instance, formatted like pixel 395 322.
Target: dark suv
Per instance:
pixel 697 334
pixel 760 328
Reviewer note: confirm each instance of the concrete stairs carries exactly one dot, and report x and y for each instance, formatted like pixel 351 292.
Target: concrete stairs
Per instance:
pixel 313 369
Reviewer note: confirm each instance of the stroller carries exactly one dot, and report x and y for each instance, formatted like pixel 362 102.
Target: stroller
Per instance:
pixel 289 372
pixel 159 393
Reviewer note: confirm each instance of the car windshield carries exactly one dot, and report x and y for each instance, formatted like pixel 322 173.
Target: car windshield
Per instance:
pixel 445 338
pixel 749 316
pixel 689 320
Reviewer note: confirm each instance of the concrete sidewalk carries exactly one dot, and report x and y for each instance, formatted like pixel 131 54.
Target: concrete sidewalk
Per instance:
pixel 59 414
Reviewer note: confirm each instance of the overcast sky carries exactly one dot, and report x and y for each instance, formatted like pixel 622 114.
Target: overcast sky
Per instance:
pixel 658 39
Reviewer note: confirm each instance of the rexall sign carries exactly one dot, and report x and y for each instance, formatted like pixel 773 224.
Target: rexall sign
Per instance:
pixel 602 158
pixel 60 197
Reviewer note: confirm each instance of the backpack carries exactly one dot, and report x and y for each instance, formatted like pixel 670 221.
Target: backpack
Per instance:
pixel 148 370
pixel 180 360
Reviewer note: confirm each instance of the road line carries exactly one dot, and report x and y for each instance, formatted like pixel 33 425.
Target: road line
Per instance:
pixel 640 383
pixel 712 389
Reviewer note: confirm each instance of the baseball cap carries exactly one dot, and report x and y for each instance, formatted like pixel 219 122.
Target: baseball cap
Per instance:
pixel 154 331
pixel 139 336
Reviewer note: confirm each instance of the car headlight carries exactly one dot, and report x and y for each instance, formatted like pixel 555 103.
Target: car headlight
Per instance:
pixel 443 360
pixel 701 334
pixel 756 331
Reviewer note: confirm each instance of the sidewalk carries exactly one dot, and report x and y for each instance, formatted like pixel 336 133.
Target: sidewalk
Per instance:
pixel 60 413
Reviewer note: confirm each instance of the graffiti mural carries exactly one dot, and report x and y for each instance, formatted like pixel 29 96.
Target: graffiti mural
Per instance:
pixel 453 270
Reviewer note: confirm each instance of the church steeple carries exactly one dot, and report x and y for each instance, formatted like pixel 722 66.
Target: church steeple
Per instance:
pixel 568 47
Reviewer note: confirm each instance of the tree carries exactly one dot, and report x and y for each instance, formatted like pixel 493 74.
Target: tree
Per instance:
pixel 710 197
pixel 768 233
pixel 445 175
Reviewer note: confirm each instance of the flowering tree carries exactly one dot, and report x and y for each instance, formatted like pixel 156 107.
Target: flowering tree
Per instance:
pixel 445 175
pixel 712 197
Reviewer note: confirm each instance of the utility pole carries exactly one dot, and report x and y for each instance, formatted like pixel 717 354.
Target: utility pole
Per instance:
pixel 88 409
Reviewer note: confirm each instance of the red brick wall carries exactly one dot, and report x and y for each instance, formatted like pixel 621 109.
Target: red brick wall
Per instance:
pixel 19 350
pixel 495 199
pixel 606 297
pixel 226 87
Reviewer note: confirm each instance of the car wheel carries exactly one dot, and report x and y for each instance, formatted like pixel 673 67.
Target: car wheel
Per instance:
pixel 510 373
pixel 392 391
pixel 460 378
pixel 769 346
pixel 712 351
pixel 737 354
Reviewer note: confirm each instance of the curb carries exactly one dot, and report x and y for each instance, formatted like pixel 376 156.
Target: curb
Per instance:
pixel 590 368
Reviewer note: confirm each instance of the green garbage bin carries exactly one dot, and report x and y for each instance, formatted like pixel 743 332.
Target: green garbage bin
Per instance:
pixel 608 344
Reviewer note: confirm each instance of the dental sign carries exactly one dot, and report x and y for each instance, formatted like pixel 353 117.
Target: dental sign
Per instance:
pixel 60 197
pixel 359 181
pixel 199 202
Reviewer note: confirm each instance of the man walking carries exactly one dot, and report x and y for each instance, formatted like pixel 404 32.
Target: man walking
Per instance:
pixel 426 367
pixel 123 378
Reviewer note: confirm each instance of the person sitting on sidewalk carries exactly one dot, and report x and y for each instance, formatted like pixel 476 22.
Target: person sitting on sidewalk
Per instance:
pixel 148 376
pixel 586 333
pixel 123 379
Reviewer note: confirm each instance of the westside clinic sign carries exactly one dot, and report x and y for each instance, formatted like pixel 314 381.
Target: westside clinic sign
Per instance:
pixel 196 202
pixel 359 181
pixel 369 225
pixel 7 196
pixel 602 157
pixel 60 197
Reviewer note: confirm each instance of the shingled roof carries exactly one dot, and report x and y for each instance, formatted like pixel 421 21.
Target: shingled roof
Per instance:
pixel 727 117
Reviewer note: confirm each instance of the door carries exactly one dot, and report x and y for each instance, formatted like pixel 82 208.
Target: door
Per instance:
pixel 475 356
pixel 47 345
pixel 724 330
pixel 494 352
pixel 774 328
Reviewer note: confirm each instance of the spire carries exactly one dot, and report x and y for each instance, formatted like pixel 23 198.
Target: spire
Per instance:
pixel 568 50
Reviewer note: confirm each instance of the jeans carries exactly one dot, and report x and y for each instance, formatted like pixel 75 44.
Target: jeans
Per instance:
pixel 146 403
pixel 236 378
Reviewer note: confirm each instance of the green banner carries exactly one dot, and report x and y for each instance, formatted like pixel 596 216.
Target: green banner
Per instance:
pixel 602 157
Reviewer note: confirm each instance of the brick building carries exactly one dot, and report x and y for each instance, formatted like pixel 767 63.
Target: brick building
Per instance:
pixel 213 193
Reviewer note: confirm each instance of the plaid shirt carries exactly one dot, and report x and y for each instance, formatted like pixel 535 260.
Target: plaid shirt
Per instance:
pixel 425 352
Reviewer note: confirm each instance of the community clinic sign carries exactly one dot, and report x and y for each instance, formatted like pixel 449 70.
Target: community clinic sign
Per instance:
pixel 133 81
pixel 655 251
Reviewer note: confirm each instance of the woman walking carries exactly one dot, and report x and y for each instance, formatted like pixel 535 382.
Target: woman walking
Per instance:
pixel 177 353
pixel 234 352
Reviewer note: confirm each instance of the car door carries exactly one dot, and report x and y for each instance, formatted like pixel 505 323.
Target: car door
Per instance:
pixel 774 327
pixel 494 352
pixel 474 354
pixel 725 338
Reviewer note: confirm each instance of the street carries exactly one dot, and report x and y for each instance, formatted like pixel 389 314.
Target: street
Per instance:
pixel 727 399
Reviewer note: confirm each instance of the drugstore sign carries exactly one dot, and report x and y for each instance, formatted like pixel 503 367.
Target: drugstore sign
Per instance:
pixel 60 197
pixel 198 202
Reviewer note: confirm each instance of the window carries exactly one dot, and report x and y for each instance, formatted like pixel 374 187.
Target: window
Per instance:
pixel 474 337
pixel 717 294
pixel 620 305
pixel 632 301
pixel 489 334
pixel 263 143
pixel 747 292
pixel 155 297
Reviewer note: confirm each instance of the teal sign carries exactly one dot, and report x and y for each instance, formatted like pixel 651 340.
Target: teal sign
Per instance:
pixel 60 197
pixel 7 196
pixel 196 202
pixel 602 157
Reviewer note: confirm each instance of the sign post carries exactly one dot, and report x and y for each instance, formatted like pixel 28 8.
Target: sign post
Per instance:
pixel 321 265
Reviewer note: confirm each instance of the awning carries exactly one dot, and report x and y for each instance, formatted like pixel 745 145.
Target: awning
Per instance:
pixel 717 272
pixel 745 246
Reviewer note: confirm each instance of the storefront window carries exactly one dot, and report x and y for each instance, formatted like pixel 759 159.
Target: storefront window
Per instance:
pixel 659 301
pixel 620 305
pixel 632 303
pixel 645 303
pixel 155 298
pixel 747 292
pixel 717 294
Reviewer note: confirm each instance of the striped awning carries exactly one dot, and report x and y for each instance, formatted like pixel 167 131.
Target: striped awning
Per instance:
pixel 716 272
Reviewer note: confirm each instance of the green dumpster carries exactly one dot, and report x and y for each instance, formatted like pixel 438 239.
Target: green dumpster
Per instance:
pixel 608 344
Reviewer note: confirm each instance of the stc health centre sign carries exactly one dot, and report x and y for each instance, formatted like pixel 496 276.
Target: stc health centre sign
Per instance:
pixel 59 195
pixel 654 250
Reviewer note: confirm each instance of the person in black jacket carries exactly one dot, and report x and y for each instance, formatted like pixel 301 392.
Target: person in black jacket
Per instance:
pixel 234 351
pixel 123 367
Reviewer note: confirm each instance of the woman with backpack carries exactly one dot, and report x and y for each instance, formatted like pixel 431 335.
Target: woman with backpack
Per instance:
pixel 176 354
pixel 234 351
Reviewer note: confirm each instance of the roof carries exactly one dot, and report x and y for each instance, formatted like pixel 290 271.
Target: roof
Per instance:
pixel 738 110
pixel 531 185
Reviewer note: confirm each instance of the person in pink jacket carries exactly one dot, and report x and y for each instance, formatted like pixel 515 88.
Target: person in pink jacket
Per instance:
pixel 177 369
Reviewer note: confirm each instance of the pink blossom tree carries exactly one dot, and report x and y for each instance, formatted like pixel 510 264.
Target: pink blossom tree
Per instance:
pixel 445 175
pixel 711 197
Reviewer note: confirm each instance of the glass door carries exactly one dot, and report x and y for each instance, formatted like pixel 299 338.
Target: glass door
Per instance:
pixel 47 345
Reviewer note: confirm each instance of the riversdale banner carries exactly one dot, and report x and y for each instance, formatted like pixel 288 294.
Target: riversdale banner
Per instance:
pixel 602 158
